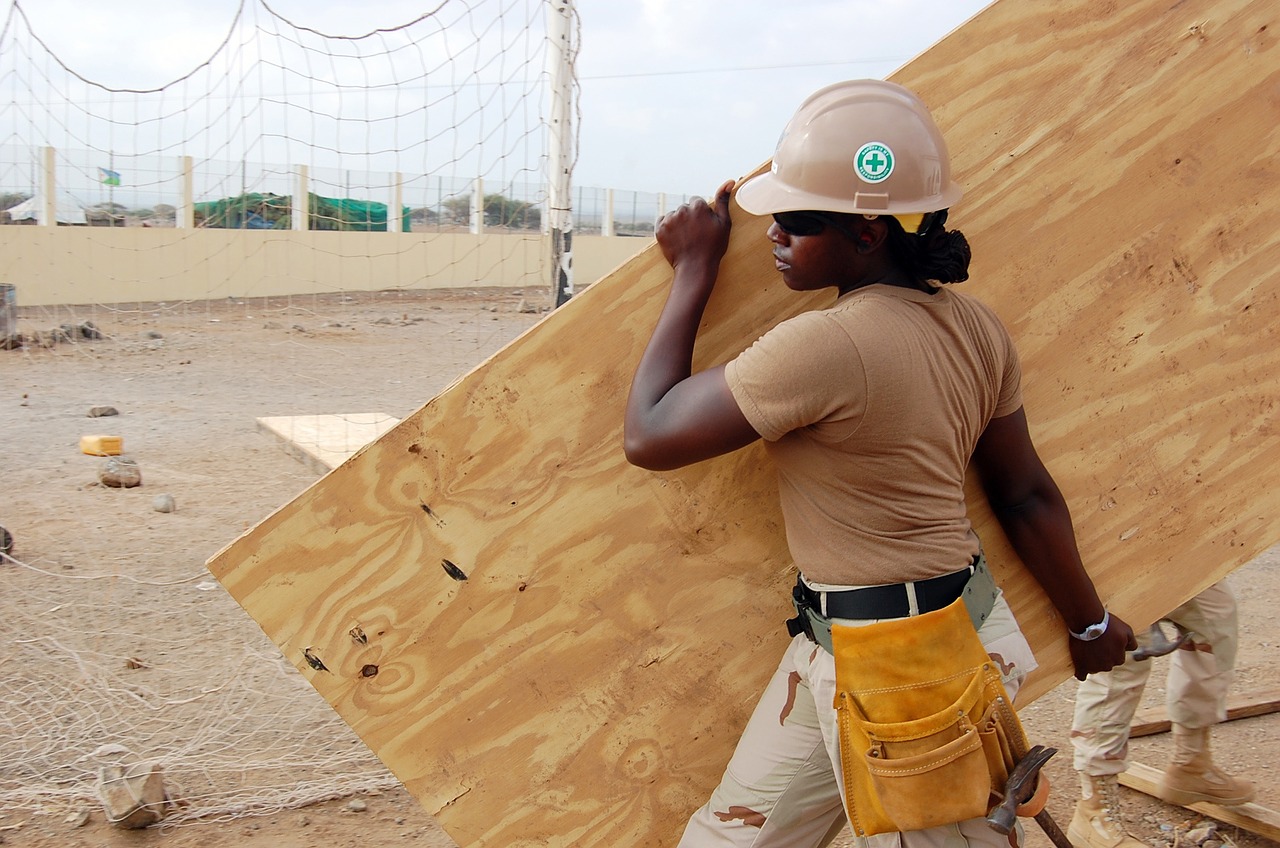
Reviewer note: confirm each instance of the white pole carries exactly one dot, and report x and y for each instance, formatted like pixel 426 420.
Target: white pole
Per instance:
pixel 606 226
pixel 395 209
pixel 47 208
pixel 185 217
pixel 300 215
pixel 560 143
pixel 477 207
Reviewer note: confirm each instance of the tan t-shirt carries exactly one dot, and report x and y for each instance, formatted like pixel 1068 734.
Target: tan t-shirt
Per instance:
pixel 871 410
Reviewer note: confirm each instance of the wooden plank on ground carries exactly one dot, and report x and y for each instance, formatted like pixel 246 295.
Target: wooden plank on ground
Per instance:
pixel 585 683
pixel 324 442
pixel 1252 817
pixel 1244 705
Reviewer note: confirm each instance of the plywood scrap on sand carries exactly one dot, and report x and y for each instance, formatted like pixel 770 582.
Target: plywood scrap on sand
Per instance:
pixel 1250 816
pixel 585 682
pixel 325 441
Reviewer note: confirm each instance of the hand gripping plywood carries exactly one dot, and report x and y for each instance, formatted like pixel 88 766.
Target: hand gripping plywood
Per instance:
pixel 549 647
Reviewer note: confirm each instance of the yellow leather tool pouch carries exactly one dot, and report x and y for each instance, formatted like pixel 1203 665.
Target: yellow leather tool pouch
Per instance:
pixel 927 733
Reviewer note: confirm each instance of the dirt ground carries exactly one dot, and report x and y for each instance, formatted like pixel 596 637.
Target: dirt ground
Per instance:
pixel 115 635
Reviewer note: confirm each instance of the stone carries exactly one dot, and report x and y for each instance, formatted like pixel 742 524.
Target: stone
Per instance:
pixel 1202 834
pixel 164 503
pixel 133 794
pixel 120 472
pixel 103 412
pixel 355 805
pixel 78 818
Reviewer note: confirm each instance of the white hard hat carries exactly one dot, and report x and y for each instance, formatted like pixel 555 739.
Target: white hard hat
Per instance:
pixel 866 146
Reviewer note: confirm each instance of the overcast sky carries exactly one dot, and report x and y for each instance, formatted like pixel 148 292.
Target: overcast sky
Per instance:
pixel 676 95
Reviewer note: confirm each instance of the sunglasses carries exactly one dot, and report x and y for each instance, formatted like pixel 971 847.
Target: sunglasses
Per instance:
pixel 806 223
pixel 810 223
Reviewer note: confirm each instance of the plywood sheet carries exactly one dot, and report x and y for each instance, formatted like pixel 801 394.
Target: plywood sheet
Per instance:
pixel 325 441
pixel 585 682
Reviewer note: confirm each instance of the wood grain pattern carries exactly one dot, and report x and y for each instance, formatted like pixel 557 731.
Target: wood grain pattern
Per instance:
pixel 586 681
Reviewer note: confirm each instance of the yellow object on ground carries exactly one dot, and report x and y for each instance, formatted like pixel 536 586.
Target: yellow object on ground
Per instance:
pixel 102 445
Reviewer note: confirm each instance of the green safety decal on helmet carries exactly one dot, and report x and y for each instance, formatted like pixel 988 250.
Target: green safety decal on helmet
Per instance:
pixel 874 162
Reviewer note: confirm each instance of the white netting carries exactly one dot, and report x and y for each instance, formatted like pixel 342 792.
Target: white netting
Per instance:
pixel 455 95
pixel 413 113
pixel 230 721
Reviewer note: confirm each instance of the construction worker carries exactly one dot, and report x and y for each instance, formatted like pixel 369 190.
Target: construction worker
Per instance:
pixel 871 410
pixel 1199 674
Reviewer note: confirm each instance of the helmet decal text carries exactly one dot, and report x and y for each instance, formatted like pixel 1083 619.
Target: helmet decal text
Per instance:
pixel 873 162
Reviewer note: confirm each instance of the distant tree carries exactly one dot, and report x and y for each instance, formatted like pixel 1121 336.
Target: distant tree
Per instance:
pixel 502 211
pixel 423 215
pixel 164 210
pixel 10 199
pixel 456 210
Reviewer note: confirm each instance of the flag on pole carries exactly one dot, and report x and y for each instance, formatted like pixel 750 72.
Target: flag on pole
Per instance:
pixel 109 177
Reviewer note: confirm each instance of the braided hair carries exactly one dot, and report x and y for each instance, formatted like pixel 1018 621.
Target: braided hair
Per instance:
pixel 934 254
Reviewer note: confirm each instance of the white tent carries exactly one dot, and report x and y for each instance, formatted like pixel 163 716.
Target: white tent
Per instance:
pixel 68 211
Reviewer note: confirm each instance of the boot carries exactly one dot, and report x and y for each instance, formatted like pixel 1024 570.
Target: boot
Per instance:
pixel 1192 776
pixel 1097 822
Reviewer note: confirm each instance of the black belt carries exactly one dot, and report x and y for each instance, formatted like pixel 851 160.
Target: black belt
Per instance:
pixel 890 601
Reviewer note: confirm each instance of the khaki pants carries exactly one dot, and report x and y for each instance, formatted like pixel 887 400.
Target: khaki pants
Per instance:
pixel 782 788
pixel 1199 676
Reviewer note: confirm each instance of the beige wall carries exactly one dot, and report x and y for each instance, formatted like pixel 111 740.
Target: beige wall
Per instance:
pixel 74 265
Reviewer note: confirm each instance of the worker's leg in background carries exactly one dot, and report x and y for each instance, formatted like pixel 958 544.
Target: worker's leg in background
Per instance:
pixel 1199 676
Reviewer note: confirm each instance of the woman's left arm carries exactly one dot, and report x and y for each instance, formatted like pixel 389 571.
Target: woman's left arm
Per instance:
pixel 675 417
pixel 1034 515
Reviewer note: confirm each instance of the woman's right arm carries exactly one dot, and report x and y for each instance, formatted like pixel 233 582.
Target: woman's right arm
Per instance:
pixel 675 417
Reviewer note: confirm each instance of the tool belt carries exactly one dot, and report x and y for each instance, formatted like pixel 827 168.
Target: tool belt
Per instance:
pixel 928 735
pixel 973 583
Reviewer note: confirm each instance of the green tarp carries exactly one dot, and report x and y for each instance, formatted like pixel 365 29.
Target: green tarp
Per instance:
pixel 254 211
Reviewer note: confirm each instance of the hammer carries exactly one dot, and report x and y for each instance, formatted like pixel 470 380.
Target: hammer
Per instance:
pixel 1159 645
pixel 1024 788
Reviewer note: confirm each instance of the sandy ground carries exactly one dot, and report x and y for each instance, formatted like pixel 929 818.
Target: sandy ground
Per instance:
pixel 109 606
